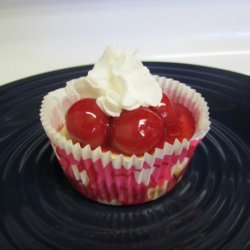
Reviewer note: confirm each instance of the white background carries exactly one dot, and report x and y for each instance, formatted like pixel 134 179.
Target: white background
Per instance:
pixel 40 36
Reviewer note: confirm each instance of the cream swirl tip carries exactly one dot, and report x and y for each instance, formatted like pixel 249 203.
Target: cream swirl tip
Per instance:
pixel 118 81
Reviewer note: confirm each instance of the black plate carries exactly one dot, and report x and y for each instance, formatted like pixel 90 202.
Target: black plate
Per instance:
pixel 209 208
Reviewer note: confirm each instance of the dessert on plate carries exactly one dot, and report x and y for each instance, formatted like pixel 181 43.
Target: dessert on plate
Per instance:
pixel 122 135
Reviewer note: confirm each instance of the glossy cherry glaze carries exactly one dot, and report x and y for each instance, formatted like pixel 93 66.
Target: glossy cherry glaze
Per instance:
pixel 136 131
pixel 163 109
pixel 86 123
pixel 180 124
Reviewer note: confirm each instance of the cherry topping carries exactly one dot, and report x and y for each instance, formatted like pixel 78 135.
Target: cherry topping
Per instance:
pixel 163 109
pixel 87 123
pixel 136 131
pixel 180 124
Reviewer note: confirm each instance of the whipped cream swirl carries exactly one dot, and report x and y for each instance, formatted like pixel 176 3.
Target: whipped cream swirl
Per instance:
pixel 118 81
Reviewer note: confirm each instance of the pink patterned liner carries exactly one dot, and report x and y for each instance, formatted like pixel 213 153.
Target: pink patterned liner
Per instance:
pixel 119 179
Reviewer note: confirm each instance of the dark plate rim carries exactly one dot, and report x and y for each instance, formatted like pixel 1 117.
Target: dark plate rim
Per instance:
pixel 213 70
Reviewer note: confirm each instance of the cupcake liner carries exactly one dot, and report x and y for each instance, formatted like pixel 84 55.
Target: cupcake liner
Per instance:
pixel 118 179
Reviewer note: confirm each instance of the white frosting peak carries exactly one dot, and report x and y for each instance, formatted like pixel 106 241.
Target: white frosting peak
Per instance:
pixel 118 81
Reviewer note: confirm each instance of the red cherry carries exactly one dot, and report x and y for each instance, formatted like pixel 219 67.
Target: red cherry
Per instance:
pixel 163 109
pixel 87 123
pixel 136 131
pixel 180 124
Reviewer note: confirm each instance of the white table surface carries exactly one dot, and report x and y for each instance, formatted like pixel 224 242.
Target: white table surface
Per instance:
pixel 40 36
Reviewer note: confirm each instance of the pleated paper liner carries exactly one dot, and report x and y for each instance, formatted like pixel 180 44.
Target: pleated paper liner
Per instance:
pixel 118 179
